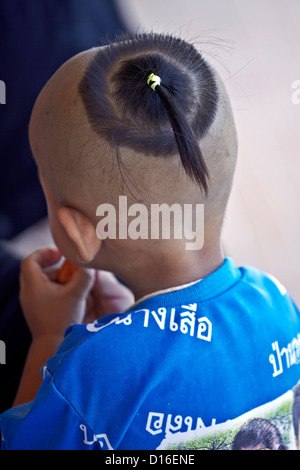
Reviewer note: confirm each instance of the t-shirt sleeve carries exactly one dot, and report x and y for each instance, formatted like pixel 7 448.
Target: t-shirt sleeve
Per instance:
pixel 80 404
pixel 49 422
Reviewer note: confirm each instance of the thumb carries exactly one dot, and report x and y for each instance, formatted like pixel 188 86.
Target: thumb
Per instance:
pixel 81 282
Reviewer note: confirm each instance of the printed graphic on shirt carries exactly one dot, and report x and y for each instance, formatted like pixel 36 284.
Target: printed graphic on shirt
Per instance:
pixel 166 424
pixel 273 426
pixel 285 357
pixel 164 318
pixel 101 439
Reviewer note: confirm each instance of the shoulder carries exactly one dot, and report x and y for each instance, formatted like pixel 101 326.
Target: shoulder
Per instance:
pixel 92 352
pixel 262 280
pixel 262 288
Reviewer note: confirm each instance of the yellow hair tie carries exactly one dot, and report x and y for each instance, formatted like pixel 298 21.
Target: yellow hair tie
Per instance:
pixel 154 79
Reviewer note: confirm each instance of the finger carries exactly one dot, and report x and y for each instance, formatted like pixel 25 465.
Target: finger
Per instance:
pixel 106 281
pixel 52 273
pixel 90 312
pixel 110 294
pixel 81 282
pixel 45 257
pixel 39 260
pixel 107 285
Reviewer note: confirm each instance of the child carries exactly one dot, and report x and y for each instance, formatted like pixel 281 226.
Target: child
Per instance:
pixel 207 346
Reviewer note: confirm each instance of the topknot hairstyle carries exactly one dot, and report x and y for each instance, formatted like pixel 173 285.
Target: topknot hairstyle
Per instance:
pixel 124 110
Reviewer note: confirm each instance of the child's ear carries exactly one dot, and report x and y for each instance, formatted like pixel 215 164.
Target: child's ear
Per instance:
pixel 81 231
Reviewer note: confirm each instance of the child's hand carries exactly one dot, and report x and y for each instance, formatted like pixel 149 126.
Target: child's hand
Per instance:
pixel 50 307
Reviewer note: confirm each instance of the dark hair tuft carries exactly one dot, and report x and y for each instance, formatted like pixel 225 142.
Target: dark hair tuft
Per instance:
pixel 124 110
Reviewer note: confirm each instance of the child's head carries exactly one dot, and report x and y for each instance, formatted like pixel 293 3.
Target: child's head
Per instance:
pixel 104 126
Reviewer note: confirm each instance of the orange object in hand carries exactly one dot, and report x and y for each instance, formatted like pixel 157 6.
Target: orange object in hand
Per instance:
pixel 66 272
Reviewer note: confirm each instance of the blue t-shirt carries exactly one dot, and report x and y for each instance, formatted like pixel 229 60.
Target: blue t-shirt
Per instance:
pixel 212 365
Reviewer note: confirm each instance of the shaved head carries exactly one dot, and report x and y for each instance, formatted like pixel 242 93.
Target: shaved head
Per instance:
pixel 98 132
pixel 82 168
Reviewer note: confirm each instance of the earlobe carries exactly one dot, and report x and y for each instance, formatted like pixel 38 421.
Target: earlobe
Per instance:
pixel 81 231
